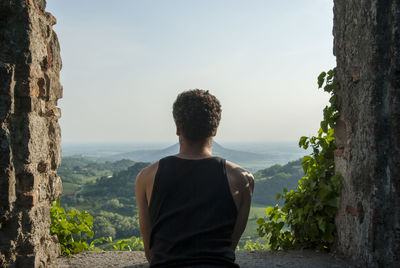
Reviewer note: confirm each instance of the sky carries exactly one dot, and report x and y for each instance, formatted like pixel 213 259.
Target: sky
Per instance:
pixel 125 61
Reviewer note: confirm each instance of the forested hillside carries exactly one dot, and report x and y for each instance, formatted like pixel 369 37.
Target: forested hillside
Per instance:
pixel 107 191
pixel 270 181
pixel 109 197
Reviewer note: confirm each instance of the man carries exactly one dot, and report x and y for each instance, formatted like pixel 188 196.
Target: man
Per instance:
pixel 193 207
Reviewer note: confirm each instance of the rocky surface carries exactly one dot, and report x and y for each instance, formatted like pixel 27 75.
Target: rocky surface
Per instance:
pixel 367 49
pixel 30 145
pixel 246 259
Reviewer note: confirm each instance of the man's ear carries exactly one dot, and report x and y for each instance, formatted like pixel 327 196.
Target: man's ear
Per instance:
pixel 214 133
pixel 178 131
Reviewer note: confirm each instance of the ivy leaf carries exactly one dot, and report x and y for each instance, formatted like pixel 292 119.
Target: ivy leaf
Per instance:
pixel 268 210
pixel 321 79
pixel 324 126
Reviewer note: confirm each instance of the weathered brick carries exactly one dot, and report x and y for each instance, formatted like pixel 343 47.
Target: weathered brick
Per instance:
pixel 30 143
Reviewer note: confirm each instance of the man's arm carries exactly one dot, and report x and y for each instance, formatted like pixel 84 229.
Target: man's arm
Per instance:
pixel 144 186
pixel 241 183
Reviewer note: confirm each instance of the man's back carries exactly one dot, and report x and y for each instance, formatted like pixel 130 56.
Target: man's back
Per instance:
pixel 192 213
pixel 196 208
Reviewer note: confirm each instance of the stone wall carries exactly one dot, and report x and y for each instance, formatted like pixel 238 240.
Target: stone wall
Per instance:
pixel 29 134
pixel 367 47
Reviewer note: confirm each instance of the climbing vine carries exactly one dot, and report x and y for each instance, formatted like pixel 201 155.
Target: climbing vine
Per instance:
pixel 306 220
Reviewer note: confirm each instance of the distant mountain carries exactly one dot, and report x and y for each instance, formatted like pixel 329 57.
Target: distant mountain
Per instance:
pixel 218 150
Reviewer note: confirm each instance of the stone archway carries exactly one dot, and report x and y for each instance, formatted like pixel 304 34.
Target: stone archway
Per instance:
pixel 367 46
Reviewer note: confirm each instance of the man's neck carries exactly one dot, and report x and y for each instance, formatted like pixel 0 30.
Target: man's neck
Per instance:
pixel 195 150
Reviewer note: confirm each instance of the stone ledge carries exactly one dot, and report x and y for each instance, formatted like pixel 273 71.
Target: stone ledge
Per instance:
pixel 246 259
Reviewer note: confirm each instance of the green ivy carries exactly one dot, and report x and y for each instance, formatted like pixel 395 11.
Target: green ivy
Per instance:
pixel 258 244
pixel 74 229
pixel 129 244
pixel 306 220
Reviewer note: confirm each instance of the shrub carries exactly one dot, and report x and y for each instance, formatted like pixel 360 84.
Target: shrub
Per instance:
pixel 73 229
pixel 306 220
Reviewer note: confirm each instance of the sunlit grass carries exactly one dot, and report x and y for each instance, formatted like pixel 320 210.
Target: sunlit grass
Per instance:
pixel 256 211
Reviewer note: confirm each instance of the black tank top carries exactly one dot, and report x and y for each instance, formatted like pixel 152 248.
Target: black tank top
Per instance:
pixel 192 214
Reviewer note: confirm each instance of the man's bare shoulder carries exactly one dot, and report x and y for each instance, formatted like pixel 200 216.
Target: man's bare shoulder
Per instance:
pixel 148 173
pixel 238 175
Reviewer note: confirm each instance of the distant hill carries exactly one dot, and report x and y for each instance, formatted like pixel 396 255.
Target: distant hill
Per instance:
pixel 120 185
pixel 218 150
pixel 79 169
pixel 272 180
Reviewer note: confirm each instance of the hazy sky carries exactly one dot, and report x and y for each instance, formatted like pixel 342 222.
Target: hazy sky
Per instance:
pixel 125 61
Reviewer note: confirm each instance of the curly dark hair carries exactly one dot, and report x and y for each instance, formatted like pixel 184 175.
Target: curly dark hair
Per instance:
pixel 197 114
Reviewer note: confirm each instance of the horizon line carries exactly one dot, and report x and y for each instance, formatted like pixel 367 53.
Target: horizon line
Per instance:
pixel 171 142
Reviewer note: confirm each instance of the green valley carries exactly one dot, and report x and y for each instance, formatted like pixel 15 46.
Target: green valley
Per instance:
pixel 106 189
